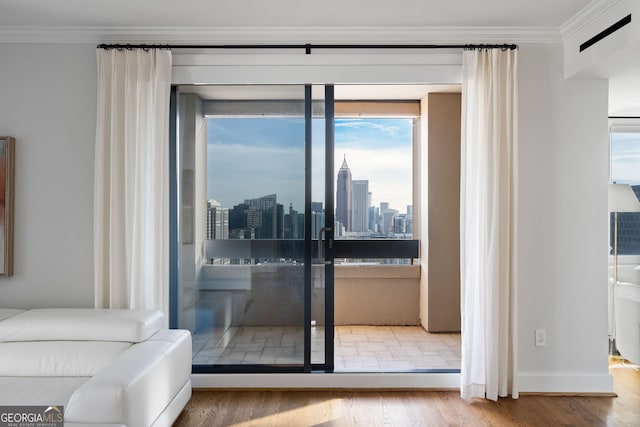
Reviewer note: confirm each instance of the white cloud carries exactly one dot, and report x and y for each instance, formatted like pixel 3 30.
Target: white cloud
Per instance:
pixel 389 172
pixel 359 125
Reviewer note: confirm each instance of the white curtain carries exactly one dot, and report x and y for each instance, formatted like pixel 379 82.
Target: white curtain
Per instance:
pixel 488 223
pixel 131 201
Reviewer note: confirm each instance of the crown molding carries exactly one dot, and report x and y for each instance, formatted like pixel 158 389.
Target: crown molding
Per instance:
pixel 591 15
pixel 230 35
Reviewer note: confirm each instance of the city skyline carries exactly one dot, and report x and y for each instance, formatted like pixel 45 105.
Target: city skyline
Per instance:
pixel 239 150
pixel 344 170
pixel 266 218
pixel 402 210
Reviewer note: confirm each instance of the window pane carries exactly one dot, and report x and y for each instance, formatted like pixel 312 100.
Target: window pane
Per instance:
pixel 374 178
pixel 625 169
pixel 242 171
pixel 374 181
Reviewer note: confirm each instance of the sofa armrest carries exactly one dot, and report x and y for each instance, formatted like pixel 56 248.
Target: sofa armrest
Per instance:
pixel 627 312
pixel 138 385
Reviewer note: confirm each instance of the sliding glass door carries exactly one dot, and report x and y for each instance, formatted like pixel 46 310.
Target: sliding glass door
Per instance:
pixel 254 272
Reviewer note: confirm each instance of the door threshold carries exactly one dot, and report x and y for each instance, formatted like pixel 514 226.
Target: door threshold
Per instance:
pixel 337 380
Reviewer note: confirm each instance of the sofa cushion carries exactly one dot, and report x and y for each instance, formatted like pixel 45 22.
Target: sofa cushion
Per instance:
pixel 57 358
pixel 78 324
pixel 38 391
pixel 5 313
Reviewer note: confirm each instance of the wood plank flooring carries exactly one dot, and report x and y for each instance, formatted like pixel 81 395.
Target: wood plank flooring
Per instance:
pixel 279 408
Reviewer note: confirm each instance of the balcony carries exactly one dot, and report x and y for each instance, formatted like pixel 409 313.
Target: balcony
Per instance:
pixel 250 314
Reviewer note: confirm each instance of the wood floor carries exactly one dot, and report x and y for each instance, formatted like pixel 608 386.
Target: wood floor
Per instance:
pixel 413 408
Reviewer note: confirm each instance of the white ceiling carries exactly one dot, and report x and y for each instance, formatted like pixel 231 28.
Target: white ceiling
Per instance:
pixel 107 16
pixel 288 13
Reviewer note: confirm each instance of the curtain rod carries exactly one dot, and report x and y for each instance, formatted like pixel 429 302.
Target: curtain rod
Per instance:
pixel 309 46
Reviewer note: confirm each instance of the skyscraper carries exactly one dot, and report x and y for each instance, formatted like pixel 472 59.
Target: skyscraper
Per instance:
pixel 272 223
pixel 360 197
pixel 217 221
pixel 387 216
pixel 343 196
pixel 293 224
pixel 374 218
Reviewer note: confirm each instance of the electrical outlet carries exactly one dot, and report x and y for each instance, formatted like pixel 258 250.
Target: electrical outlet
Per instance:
pixel 541 337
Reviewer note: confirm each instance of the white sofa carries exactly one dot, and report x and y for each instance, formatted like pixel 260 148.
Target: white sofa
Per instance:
pixel 628 321
pixel 626 309
pixel 105 367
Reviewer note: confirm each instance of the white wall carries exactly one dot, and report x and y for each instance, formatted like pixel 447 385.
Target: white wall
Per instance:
pixel 562 225
pixel 615 57
pixel 48 103
pixel 610 55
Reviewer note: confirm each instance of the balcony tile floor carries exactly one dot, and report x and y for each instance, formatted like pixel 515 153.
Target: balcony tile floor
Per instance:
pixel 357 348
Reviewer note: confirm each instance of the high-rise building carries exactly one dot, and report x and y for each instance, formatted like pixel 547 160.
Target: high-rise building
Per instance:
pixel 360 198
pixel 293 224
pixel 387 225
pixel 387 216
pixel 343 196
pixel 272 213
pixel 217 221
pixel 237 217
pixel 408 224
pixel 317 207
pixel 374 219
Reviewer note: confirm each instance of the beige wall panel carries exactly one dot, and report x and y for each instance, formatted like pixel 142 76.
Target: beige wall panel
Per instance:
pixel 443 170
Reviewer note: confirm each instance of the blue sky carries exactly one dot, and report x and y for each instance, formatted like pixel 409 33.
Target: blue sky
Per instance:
pixel 253 157
pixel 625 158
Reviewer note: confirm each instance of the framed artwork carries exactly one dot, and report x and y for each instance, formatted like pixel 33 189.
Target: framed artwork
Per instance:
pixel 7 154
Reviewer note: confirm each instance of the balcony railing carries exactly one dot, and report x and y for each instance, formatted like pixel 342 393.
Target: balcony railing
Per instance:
pixel 294 249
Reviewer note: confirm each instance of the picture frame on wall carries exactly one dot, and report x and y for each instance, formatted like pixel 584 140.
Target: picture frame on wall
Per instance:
pixel 7 164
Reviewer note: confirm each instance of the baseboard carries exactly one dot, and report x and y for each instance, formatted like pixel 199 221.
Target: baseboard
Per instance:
pixel 566 383
pixel 342 381
pixel 563 383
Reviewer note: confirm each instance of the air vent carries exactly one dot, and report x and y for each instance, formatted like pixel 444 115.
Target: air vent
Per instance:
pixel 612 29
